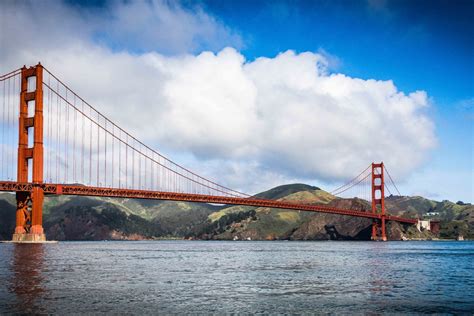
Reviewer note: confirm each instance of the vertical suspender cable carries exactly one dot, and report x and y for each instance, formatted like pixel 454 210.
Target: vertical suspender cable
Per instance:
pixel 66 140
pixel 133 166
pixel 98 149
pixel 83 181
pixel 3 132
pixel 120 160
pixel 46 152
pixel 146 175
pixel 126 162
pixel 58 148
pixel 90 146
pixel 113 155
pixel 9 129
pixel 48 134
pixel 152 172
pixel 13 128
pixel 74 143
pixel 139 169
pixel 105 150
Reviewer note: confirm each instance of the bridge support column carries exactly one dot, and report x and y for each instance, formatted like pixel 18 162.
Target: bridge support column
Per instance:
pixel 384 235
pixel 378 201
pixel 29 214
pixel 374 230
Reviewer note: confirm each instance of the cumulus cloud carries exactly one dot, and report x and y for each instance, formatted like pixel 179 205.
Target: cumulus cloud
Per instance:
pixel 251 124
pixel 287 112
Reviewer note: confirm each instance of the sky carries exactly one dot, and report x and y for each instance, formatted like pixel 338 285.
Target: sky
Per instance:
pixel 260 93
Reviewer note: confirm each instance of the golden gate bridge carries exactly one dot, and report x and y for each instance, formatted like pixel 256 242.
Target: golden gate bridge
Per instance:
pixel 55 143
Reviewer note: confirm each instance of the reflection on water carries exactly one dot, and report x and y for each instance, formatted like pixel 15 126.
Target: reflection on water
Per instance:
pixel 26 281
pixel 178 277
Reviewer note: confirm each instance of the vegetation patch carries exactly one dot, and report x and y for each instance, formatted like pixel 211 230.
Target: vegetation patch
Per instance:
pixel 289 216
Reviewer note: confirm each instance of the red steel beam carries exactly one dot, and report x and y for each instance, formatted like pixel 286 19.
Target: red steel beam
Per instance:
pixel 188 197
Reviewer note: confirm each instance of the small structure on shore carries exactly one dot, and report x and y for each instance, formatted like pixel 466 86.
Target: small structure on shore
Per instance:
pixel 430 225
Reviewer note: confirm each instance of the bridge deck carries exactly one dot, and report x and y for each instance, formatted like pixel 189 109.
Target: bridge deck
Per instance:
pixel 63 189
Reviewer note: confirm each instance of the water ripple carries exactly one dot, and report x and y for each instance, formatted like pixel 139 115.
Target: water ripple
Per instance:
pixel 176 277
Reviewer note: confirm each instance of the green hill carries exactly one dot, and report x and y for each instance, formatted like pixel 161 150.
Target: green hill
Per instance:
pixel 92 218
pixel 244 222
pixel 285 190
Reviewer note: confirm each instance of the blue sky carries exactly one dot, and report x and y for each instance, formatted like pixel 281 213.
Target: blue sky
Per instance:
pixel 426 45
pixel 418 45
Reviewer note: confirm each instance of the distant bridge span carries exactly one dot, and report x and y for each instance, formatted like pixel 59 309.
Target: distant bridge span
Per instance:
pixel 62 189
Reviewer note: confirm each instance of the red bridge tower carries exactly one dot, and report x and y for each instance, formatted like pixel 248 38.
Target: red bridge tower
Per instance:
pixel 378 200
pixel 29 214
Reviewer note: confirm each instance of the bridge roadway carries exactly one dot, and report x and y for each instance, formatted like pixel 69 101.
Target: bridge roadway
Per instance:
pixel 67 189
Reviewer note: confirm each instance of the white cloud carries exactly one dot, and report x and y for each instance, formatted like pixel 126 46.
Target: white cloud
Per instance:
pixel 253 123
pixel 139 26
pixel 165 26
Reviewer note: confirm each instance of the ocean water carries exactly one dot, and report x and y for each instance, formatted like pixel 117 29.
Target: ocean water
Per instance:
pixel 203 277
